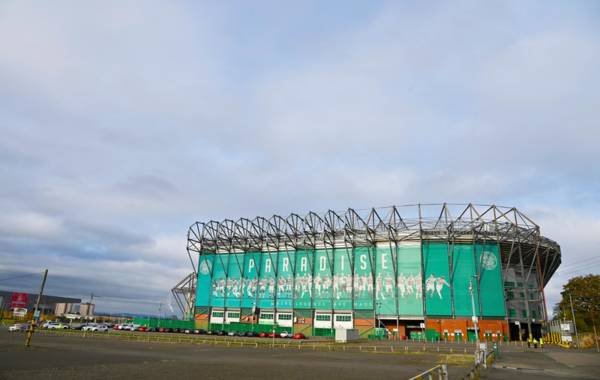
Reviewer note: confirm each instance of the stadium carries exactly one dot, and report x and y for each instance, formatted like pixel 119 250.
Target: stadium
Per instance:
pixel 419 270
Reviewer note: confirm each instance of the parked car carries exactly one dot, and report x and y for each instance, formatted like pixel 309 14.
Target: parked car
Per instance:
pixel 129 327
pixel 231 333
pixel 285 334
pixel 57 326
pixel 263 335
pixel 299 336
pixel 250 334
pixel 89 327
pixel 99 328
pixel 18 327
pixel 200 331
pixel 77 326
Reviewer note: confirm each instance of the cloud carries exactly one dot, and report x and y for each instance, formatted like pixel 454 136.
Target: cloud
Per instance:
pixel 123 124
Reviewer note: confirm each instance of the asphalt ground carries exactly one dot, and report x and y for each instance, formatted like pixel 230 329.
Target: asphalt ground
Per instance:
pixel 552 363
pixel 75 357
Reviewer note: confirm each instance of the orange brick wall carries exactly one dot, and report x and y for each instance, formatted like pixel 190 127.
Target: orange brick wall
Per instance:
pixel 451 325
pixel 201 321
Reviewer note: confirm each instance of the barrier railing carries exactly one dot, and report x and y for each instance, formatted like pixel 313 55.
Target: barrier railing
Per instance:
pixel 439 371
pixel 485 361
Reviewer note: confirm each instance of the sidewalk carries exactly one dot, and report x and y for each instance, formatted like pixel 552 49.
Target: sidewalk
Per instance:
pixel 552 363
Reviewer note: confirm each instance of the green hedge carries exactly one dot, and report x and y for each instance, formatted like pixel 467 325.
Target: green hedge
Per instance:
pixel 167 323
pixel 247 327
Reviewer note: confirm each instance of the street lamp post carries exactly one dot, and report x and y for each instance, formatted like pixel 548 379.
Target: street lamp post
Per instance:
pixel 475 321
pixel 574 321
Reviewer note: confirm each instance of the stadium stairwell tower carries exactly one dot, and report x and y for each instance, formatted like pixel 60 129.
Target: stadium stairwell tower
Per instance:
pixel 404 268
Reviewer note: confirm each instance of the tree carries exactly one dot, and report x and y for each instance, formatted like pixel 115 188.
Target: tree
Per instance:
pixel 585 291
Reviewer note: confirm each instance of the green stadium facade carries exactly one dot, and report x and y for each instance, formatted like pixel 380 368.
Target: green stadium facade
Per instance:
pixel 413 270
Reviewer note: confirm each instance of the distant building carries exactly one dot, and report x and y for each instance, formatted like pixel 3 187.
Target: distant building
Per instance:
pixel 86 309
pixel 19 300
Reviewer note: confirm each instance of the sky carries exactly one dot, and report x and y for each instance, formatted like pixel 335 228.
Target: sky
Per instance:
pixel 124 122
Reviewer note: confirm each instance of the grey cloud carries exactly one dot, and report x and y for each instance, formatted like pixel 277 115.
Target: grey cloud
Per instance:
pixel 122 124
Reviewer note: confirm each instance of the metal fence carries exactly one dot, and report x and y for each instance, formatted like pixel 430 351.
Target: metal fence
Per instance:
pixel 439 371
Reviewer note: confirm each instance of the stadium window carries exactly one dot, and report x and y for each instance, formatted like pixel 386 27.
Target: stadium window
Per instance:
pixel 343 318
pixel 323 317
pixel 218 314
pixel 233 315
pixel 266 316
pixel 284 317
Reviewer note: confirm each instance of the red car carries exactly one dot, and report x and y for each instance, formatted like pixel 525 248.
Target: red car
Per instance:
pixel 299 336
pixel 272 335
pixel 263 335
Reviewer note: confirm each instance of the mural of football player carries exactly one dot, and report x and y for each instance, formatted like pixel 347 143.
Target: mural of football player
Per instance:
pixel 318 284
pixel 281 286
pixel 336 286
pixel 410 284
pixel 439 285
pixel 215 288
pixel 271 287
pixel 402 285
pixel 349 284
pixel 419 286
pixel 389 285
pixel 378 292
pixel 430 285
